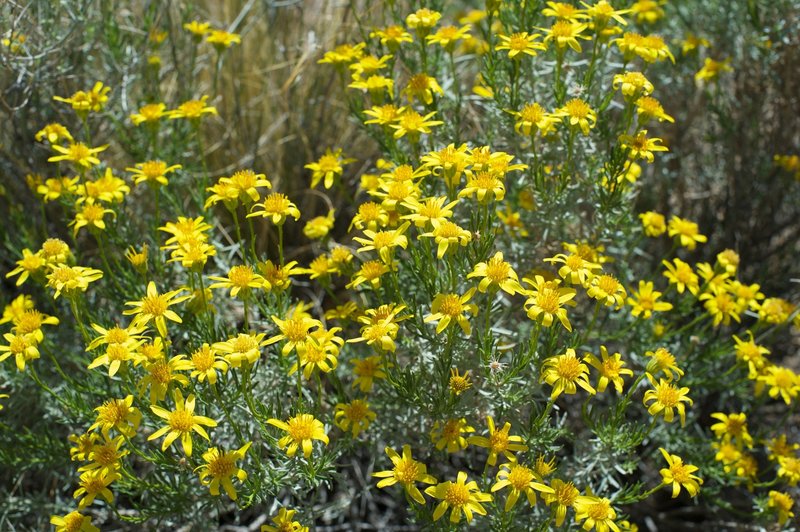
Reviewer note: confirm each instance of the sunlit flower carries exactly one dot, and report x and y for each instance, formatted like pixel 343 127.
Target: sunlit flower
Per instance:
pixel 73 522
pixel 565 373
pixel 152 172
pixel 181 422
pixel 77 152
pixel 150 113
pixel 653 223
pixel 220 469
pixel 577 114
pixel 193 109
pixel 546 300
pixel 327 168
pixel 520 43
pixel 640 146
pixel 459 496
pixel 450 434
pixel 665 398
pixel 276 207
pixel 711 70
pixel 407 472
pixel 679 475
pixel 498 442
pixel 645 301
pixel 450 308
pixel 566 33
pixel 563 497
pixel 611 369
pixel 301 430
pixel 354 416
pixel 284 522
pixel 70 280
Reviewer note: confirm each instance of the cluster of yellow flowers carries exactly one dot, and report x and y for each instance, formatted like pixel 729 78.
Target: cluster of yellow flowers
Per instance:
pixel 438 270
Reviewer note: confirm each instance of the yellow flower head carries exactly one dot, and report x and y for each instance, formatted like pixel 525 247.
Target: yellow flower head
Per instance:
pixel 519 44
pixel 354 416
pixel 679 475
pixel 328 167
pixel 645 301
pixel 78 153
pixel 496 274
pixel 222 39
pixel 498 442
pixel 150 113
pixel 193 109
pixel 300 430
pixel 665 398
pixel 458 497
pixel 565 373
pixel 447 234
pixel 546 300
pixel 686 231
pixel 181 422
pixel 220 469
pixel 611 369
pixel 407 472
pixel 450 308
pixel 576 113
pixel 284 522
pixel 152 172
pixel 155 307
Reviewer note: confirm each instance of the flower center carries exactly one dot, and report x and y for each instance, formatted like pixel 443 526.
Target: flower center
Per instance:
pixel 532 113
pixel 300 429
pixel 451 305
pixel 222 466
pixel 568 368
pixel 154 305
pixel 181 420
pixel 203 359
pixel 547 300
pixel 518 42
pixel 667 395
pixel 520 477
pixel 457 495
pixel 241 275
pixel 577 108
pixel 406 471
pixel 153 169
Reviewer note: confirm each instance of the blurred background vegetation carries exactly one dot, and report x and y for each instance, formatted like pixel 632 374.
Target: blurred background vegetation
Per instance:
pixel 282 111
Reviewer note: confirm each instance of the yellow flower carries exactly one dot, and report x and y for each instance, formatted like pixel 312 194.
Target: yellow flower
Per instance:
pixel 448 36
pixel 721 306
pixel 71 279
pixel 576 269
pixel 450 308
pixel 565 373
pixel 520 43
pixel 651 48
pixel 447 234
pixel 206 361
pixel 220 469
pixel 366 371
pixel 181 422
pixel 661 360
pixel 521 480
pixel 327 168
pixel 645 301
pixel 679 475
pixel 665 398
pixel 654 223
pixel 115 355
pixel 117 414
pixel 711 70
pixel 563 497
pixel 78 153
pixel 91 216
pixel 318 227
pixel 193 109
pixel 383 242
pixel 633 85
pixel 221 40
pixel 383 115
pixel 392 36
pixel 448 163
pixel 320 352
pixel 751 353
pixel 54 133
pixel 648 108
pixel 486 186
pixel 152 172
pixel 413 124
pixel 368 65
pixel 241 187
pixel 498 442
pixel 52 189
pixel 639 146
pixel 22 346
pixel 459 384
pixel 92 484
pixel 84 101
pixel 73 522
pixel 407 472
pixel 423 20
pixel 577 113
pixel 370 272
pixel 545 301
pixel 532 116
pixel 682 276
pixel 781 503
pixel 648 11
pixel 343 54
pixel 376 86
pixel 565 33
pixel 30 263
pixel 105 456
pixel 597 511
pixel 782 381
pixel 242 347
pixel 607 290
pixel 150 113
pixel 277 208
pixel 284 522
pixel 295 330
pixel 687 232
pixel 155 307
pixel 496 274
pixel 611 369
pixel 732 427
pixel 422 87
pixel 692 42
pixel 240 279
pixel 354 416
pixel 459 496
pixel 450 434
pixel 301 430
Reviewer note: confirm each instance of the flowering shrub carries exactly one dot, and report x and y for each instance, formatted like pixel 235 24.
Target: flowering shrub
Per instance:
pixel 482 322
